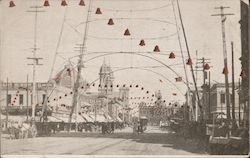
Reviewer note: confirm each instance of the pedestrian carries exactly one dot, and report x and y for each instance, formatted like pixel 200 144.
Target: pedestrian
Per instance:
pixel 112 127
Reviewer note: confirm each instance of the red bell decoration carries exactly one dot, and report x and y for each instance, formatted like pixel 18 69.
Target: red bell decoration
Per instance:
pixel 12 4
pixel 178 79
pixel 46 3
pixel 156 49
pixel 111 22
pixel 171 55
pixel 189 61
pixel 243 73
pixel 142 43
pixel 127 33
pixel 81 3
pixel 98 11
pixel 64 3
pixel 225 71
pixel 206 66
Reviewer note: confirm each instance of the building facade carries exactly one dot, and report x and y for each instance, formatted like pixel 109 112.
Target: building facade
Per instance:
pixel 218 100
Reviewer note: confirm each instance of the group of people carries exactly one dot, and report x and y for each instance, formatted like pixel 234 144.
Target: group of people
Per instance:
pixel 21 130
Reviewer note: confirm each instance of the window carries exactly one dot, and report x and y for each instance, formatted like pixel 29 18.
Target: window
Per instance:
pixel 21 99
pixel 9 98
pixel 222 98
pixel 44 95
pixel 31 98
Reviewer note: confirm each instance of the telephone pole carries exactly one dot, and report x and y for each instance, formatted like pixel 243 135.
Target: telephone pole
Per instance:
pixel 34 58
pixel 200 66
pixel 233 87
pixel 223 19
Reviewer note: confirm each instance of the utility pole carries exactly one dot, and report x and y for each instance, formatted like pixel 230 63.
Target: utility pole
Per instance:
pixel 209 96
pixel 223 19
pixel 35 59
pixel 27 98
pixel 239 102
pixel 233 87
pixel 200 66
pixel 7 104
pixel 191 66
pixel 79 66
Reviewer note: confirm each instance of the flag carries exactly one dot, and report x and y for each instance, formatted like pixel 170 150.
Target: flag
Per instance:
pixel 178 79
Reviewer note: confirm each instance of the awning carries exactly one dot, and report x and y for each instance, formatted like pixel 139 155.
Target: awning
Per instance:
pixel 14 118
pixel 99 118
pixel 109 118
pixel 53 119
pixel 87 117
pixel 81 119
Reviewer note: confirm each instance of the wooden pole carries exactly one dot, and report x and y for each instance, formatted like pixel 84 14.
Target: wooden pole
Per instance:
pixel 7 104
pixel 239 102
pixel 27 99
pixel 209 96
pixel 233 87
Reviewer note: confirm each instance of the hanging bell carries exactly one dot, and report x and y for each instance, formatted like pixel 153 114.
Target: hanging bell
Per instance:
pixel 46 3
pixel 189 61
pixel 142 43
pixel 206 66
pixel 12 4
pixel 225 71
pixel 111 22
pixel 63 3
pixel 171 55
pixel 98 11
pixel 81 3
pixel 127 33
pixel 243 73
pixel 156 49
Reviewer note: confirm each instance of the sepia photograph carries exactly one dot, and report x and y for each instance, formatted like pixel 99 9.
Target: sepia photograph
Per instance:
pixel 124 78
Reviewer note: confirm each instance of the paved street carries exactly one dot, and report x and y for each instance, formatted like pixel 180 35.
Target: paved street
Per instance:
pixel 153 142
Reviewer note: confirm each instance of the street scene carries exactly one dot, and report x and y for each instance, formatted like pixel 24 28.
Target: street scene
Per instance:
pixel 124 78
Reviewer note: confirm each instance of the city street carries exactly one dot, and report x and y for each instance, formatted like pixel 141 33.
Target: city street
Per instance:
pixel 153 142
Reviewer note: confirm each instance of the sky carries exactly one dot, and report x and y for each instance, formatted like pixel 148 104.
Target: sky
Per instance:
pixel 60 29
